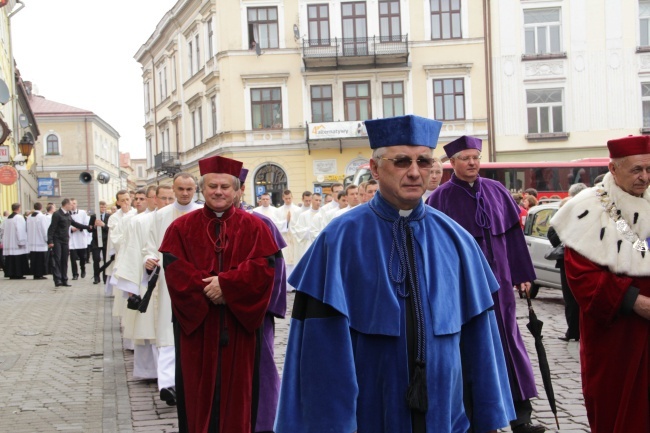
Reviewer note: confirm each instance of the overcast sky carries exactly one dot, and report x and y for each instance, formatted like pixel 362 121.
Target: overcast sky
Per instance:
pixel 80 53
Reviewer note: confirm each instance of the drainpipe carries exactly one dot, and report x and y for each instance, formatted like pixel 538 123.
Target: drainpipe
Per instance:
pixel 87 162
pixel 489 82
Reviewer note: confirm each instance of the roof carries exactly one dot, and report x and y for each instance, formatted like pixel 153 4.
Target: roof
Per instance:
pixel 42 106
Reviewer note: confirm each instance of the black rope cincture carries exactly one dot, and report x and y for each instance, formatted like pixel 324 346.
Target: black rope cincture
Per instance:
pixel 403 245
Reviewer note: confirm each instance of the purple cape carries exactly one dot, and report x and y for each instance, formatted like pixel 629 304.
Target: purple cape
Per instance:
pixel 506 252
pixel 269 377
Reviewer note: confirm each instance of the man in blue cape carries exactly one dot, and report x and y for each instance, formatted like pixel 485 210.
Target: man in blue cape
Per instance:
pixel 486 209
pixel 392 327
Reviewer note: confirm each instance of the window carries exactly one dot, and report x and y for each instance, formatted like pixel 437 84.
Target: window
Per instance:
pixel 645 102
pixel 542 31
pixel 173 62
pixel 319 25
pixel 197 126
pixel 355 31
pixel 213 106
pixel 263 27
pixel 162 82
pixel 190 53
pixel 210 37
pixel 266 106
pixel 147 101
pixel 52 145
pixel 357 101
pixel 393 98
pixel 150 155
pixel 140 171
pixel 164 139
pixel 449 99
pixel 389 21
pixel 445 19
pixel 644 23
pixel 544 108
pixel 321 104
pixel 198 53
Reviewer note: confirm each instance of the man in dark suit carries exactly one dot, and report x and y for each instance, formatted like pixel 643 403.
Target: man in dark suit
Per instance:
pixel 100 240
pixel 58 238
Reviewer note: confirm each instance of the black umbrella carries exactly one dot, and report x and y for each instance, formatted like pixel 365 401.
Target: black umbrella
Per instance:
pixel 105 265
pixel 535 325
pixel 153 278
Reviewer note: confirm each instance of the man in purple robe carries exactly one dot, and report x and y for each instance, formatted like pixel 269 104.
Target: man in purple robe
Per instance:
pixel 487 211
pixel 269 379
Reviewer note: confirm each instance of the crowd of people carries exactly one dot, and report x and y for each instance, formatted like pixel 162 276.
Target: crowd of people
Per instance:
pixel 404 317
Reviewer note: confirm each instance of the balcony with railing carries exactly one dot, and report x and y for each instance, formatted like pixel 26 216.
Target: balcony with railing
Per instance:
pixel 373 51
pixel 167 162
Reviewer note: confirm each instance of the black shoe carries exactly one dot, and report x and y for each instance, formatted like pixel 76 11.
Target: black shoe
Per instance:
pixel 96 280
pixel 528 428
pixel 565 338
pixel 168 395
pixel 40 278
pixel 75 277
pixel 17 278
pixel 66 285
pixel 83 273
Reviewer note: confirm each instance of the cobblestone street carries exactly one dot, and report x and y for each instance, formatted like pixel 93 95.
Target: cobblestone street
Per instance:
pixel 62 366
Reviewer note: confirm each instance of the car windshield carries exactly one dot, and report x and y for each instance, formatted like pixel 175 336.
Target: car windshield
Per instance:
pixel 540 222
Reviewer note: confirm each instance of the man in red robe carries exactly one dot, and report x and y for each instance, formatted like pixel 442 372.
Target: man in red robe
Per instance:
pixel 219 264
pixel 605 230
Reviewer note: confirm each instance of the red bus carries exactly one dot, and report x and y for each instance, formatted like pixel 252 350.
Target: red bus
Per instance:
pixel 549 178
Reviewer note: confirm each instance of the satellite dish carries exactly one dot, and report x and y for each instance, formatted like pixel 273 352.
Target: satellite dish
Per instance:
pixel 22 119
pixel 4 92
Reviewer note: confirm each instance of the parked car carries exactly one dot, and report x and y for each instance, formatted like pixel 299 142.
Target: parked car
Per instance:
pixel 535 229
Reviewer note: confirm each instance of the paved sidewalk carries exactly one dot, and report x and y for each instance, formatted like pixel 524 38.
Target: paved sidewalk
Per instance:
pixel 62 366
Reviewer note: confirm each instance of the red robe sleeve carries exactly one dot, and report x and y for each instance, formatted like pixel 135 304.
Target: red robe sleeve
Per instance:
pixel 598 291
pixel 184 282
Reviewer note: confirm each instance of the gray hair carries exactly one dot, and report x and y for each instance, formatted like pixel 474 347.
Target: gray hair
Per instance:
pixel 576 188
pixel 236 183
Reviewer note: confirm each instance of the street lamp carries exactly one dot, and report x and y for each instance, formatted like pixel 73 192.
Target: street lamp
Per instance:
pixel 26 145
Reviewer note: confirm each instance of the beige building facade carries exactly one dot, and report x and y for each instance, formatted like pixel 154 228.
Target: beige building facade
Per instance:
pixel 284 86
pixel 77 154
pixel 568 76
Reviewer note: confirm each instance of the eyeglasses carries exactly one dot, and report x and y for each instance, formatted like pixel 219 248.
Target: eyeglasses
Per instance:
pixel 406 162
pixel 467 158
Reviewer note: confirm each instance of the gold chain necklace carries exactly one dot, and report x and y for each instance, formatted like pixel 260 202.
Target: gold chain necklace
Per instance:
pixel 621 225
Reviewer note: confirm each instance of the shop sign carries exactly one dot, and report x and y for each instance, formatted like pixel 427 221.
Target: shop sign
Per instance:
pixel 336 130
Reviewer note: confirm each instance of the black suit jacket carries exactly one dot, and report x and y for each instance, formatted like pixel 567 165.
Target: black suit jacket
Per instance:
pixel 103 230
pixel 59 230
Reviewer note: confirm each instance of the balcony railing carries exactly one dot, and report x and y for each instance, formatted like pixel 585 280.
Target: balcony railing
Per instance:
pixel 374 50
pixel 167 162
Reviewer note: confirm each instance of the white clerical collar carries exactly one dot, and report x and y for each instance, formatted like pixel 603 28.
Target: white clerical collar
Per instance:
pixel 405 213
pixel 218 214
pixel 184 208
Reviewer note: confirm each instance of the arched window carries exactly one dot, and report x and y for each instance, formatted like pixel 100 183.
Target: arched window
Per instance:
pixel 273 180
pixel 52 145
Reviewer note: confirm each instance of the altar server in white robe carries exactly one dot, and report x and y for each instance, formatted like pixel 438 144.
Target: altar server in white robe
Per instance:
pixel 132 279
pixel 301 231
pixel 184 187
pixel 37 225
pixel 268 210
pixel 15 252
pixel 78 241
pixel 287 215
